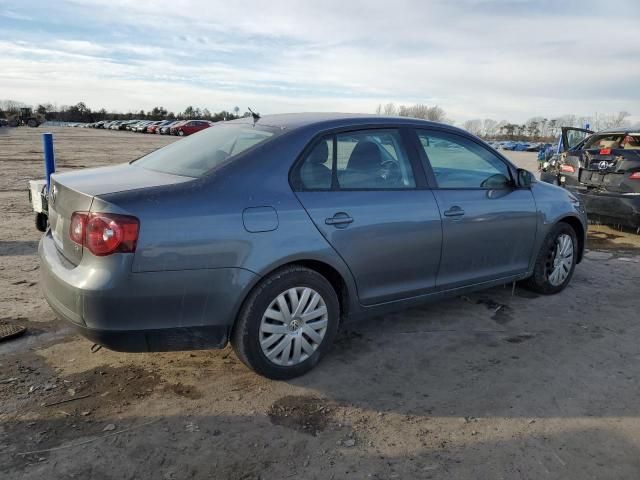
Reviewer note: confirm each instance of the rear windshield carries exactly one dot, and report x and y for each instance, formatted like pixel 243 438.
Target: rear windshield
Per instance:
pixel 613 140
pixel 199 153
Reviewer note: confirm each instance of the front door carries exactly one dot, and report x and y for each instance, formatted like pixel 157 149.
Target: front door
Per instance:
pixel 488 225
pixel 360 190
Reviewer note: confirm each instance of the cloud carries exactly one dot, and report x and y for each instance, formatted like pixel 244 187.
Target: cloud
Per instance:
pixel 474 58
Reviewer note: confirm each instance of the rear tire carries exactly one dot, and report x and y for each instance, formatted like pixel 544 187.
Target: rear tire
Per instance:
pixel 555 262
pixel 281 345
pixel 32 123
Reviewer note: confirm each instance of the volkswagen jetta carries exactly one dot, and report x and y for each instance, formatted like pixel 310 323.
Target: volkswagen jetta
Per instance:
pixel 270 232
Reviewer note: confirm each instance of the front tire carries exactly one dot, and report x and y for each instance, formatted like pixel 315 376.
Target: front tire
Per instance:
pixel 181 133
pixel 287 323
pixel 555 262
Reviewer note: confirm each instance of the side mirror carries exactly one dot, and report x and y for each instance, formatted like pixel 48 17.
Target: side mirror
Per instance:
pixel 525 178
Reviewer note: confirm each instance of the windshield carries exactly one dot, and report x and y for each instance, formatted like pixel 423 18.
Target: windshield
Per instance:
pixel 204 151
pixel 613 140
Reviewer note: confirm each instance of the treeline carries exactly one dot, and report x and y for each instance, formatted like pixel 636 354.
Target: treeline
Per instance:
pixel 540 128
pixel 80 112
pixel 534 129
pixel 435 113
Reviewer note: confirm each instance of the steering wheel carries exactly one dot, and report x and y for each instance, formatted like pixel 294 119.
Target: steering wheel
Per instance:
pixel 390 172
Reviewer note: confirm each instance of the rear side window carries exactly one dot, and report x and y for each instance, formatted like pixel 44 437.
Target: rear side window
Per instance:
pixel 630 141
pixel 360 160
pixel 207 149
pixel 458 162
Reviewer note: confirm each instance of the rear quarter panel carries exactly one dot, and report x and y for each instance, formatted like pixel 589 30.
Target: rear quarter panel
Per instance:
pixel 199 224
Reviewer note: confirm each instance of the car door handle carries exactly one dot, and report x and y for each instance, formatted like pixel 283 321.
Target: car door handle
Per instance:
pixel 339 218
pixel 454 212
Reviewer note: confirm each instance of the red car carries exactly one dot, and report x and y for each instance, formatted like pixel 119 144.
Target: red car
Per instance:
pixel 151 128
pixel 189 127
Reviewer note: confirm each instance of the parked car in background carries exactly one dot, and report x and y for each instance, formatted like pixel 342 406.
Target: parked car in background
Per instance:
pixel 174 128
pixel 164 129
pixel 603 168
pixel 271 233
pixel 191 126
pixel 125 124
pixel 141 127
pixel 151 127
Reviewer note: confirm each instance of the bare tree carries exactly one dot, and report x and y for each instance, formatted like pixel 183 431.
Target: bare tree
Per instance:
pixel 620 119
pixel 390 109
pixel 473 126
pixel 11 106
pixel 489 127
pixel 436 114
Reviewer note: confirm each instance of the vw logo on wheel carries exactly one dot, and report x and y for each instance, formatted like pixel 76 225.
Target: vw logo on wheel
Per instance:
pixel 603 165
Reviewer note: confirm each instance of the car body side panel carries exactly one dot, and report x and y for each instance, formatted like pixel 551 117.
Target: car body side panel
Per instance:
pixel 552 204
pixel 494 238
pixel 199 225
pixel 103 293
pixel 393 245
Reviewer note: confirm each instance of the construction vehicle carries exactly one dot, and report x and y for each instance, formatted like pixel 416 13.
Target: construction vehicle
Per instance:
pixel 26 117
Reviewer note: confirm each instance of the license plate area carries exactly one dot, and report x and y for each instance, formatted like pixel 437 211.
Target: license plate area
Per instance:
pixel 57 231
pixel 596 178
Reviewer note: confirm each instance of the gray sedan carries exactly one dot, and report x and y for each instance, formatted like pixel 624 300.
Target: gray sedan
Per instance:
pixel 270 232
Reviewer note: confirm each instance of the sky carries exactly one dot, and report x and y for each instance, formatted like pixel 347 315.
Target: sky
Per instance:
pixel 495 59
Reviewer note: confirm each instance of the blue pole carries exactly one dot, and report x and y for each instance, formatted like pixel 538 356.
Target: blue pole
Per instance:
pixel 49 158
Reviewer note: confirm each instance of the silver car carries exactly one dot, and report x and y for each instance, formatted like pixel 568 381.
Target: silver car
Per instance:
pixel 270 232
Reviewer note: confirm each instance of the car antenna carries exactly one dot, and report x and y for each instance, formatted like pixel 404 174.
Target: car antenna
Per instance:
pixel 256 116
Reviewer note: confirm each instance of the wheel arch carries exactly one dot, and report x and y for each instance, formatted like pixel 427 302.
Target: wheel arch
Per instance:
pixel 342 284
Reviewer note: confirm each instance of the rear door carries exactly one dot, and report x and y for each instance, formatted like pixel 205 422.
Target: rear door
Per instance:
pixel 488 225
pixel 364 194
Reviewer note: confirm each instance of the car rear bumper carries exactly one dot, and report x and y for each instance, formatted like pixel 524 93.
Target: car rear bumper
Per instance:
pixel 619 207
pixel 146 311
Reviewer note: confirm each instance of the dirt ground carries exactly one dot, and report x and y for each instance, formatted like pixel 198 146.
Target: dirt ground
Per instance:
pixel 494 385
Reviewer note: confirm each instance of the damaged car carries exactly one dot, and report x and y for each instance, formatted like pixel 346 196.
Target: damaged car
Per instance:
pixel 603 168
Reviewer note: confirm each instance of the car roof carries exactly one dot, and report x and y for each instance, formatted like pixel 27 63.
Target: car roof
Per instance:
pixel 292 121
pixel 633 128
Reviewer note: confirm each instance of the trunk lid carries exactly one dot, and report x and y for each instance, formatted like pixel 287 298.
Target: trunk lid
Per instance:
pixel 74 192
pixel 611 170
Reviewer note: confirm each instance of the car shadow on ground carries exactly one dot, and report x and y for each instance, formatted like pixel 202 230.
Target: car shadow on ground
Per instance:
pixel 243 447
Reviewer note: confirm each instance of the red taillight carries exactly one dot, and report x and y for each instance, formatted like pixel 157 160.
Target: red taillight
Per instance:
pixel 567 168
pixel 605 151
pixel 77 227
pixel 104 233
pixel 635 176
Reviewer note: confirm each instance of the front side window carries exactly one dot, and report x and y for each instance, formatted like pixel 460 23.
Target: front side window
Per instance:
pixel 458 162
pixel 206 150
pixel 365 160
